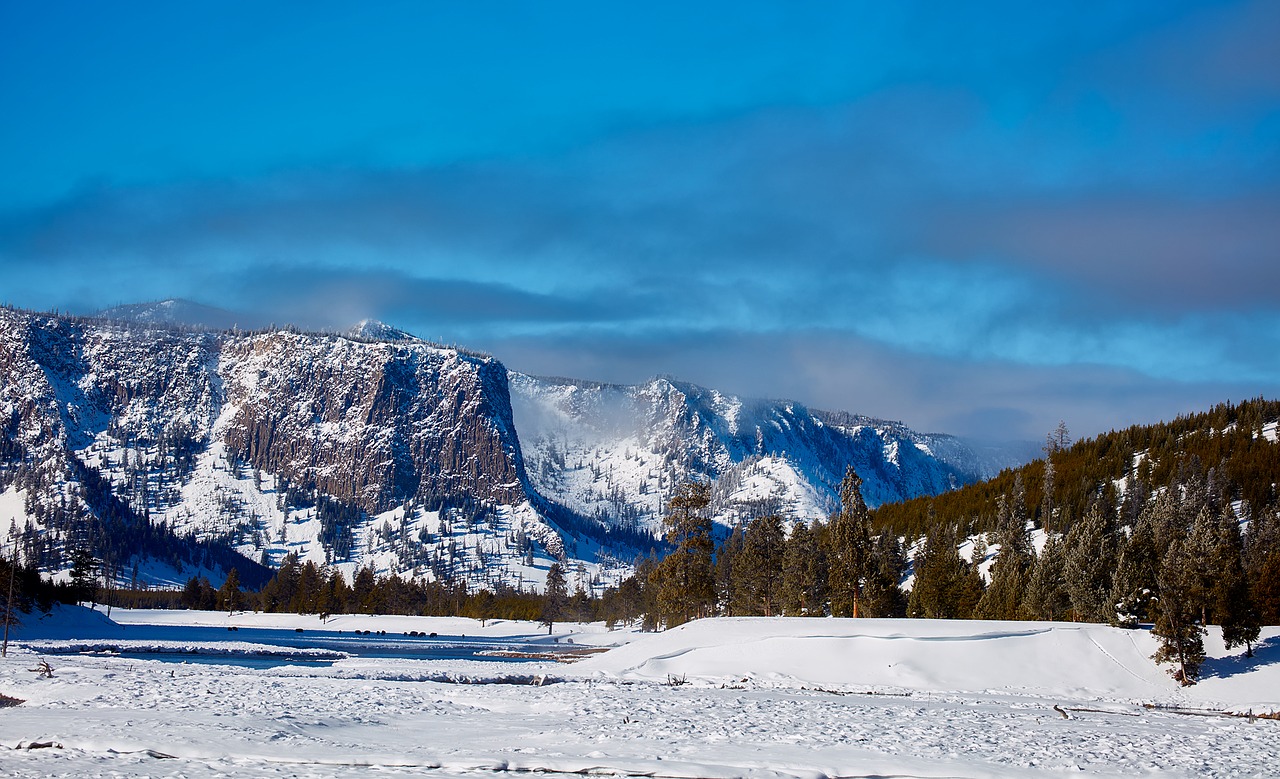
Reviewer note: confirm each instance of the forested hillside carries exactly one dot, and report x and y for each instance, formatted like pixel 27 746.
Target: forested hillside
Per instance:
pixel 1173 524
pixel 1232 447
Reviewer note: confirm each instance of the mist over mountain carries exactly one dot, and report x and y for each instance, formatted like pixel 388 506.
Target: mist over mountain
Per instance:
pixel 176 311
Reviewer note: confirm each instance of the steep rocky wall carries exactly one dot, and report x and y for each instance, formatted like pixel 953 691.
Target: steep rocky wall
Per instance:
pixel 372 423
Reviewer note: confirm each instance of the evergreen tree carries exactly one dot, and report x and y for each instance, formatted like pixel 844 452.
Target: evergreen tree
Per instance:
pixel 946 586
pixel 1232 603
pixel 278 594
pixel 1176 624
pixel 208 596
pixel 849 549
pixel 84 575
pixel 190 598
pixel 804 575
pixel 556 596
pixel 649 579
pixel 366 596
pixel 758 569
pixel 335 594
pixel 624 604
pixel 1011 571
pixel 1133 587
pixel 884 597
pixel 581 605
pixel 1047 487
pixel 306 600
pixel 1046 596
pixel 684 579
pixel 1202 543
pixel 1262 555
pixel 1089 564
pixel 229 595
pixel 729 596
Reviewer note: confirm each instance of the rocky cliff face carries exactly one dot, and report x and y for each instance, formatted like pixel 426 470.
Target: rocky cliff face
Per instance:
pixel 373 424
pixel 401 455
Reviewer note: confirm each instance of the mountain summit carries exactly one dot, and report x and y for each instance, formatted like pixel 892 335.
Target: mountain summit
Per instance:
pixel 373 330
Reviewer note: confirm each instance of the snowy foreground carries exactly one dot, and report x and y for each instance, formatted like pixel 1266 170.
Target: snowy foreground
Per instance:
pixel 751 697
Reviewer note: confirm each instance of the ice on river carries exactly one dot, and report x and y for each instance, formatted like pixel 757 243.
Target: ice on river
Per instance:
pixel 758 698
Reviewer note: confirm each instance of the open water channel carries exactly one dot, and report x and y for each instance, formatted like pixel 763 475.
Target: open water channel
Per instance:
pixel 272 646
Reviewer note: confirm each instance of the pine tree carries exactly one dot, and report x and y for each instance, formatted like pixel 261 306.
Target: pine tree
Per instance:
pixel 685 580
pixel 1180 634
pixel 556 596
pixel 729 596
pixel 849 548
pixel 306 599
pixel 1046 493
pixel 229 595
pixel 1231 601
pixel 278 593
pixel 624 604
pixel 84 575
pixel 1133 588
pixel 1012 569
pixel 758 569
pixel 1046 596
pixel 946 586
pixel 190 598
pixel 335 594
pixel 366 596
pixel 1202 543
pixel 1262 555
pixel 1089 563
pixel 804 574
pixel 884 597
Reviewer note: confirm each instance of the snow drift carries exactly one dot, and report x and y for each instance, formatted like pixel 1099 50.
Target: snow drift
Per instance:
pixel 1049 659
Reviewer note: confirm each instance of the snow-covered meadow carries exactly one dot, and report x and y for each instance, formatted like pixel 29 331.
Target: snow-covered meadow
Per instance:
pixel 715 698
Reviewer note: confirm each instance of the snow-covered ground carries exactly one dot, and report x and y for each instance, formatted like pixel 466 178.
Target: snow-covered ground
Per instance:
pixel 759 697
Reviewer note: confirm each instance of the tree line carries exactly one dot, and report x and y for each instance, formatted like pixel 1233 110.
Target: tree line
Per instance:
pixel 303 587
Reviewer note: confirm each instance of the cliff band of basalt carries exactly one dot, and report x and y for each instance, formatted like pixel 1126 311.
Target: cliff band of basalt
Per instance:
pixel 393 452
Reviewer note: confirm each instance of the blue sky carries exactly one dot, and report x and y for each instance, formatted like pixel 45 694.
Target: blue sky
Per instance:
pixel 976 218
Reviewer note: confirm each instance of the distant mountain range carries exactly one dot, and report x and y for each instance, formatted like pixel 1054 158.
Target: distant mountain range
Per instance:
pixel 373 447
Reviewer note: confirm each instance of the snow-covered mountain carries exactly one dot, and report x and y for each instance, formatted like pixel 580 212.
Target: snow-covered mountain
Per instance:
pixel 377 448
pixel 616 451
pixel 373 330
pixel 398 455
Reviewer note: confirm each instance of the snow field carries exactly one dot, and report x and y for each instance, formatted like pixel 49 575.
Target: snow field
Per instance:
pixel 762 698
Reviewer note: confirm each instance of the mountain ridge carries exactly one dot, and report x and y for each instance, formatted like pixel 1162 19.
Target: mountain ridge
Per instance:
pixel 376 448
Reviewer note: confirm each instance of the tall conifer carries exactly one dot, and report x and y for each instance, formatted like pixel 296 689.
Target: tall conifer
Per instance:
pixel 1089 564
pixel 804 574
pixel 1177 616
pixel 849 549
pixel 1232 603
pixel 686 584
